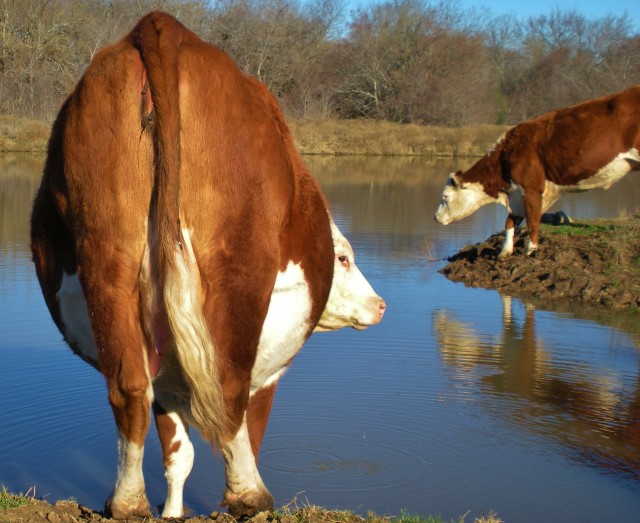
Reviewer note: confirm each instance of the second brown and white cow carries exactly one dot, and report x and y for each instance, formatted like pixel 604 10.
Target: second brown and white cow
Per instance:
pixel 586 146
pixel 184 250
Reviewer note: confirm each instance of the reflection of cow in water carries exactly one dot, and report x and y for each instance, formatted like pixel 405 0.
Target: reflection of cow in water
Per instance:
pixel 587 146
pixel 591 412
pixel 184 250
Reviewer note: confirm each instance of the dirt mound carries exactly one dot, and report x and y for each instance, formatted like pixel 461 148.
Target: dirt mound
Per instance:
pixel 39 511
pixel 594 262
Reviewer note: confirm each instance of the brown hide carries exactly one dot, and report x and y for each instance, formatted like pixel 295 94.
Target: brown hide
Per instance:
pixel 164 134
pixel 564 147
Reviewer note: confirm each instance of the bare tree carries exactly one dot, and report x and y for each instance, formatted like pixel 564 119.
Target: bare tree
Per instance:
pixel 403 60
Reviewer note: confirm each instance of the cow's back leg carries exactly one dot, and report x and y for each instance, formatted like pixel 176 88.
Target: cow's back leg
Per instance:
pixel 177 453
pixel 54 254
pixel 235 310
pixel 258 415
pixel 245 493
pixel 110 280
pixel 533 214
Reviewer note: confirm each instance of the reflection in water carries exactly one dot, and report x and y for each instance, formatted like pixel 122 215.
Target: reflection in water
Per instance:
pixel 19 179
pixel 542 389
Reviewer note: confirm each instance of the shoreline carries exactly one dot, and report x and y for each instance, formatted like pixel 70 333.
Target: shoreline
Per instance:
pixel 318 137
pixel 69 511
pixel 593 263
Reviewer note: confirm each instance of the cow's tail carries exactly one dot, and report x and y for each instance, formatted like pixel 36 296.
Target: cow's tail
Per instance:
pixel 158 39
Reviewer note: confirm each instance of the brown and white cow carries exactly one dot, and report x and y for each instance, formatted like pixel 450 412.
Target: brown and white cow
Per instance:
pixel 586 146
pixel 184 251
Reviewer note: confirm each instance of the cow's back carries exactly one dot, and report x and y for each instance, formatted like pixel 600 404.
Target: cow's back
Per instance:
pixel 572 144
pixel 247 205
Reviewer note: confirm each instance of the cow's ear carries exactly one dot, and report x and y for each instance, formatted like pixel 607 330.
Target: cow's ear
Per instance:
pixel 456 179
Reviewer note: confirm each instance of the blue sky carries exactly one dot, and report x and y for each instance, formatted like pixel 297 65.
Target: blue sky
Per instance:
pixel 525 8
pixel 588 8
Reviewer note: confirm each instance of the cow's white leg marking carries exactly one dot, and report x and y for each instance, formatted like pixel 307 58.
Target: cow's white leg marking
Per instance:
pixel 243 478
pixel 531 247
pixel 75 316
pixel 507 245
pixel 177 468
pixel 129 487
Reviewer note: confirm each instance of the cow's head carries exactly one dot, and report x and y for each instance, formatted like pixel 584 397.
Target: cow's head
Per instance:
pixel 352 301
pixel 460 199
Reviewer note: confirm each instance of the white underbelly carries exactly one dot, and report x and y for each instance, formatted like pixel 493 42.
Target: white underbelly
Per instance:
pixel 285 327
pixel 75 317
pixel 610 173
pixel 283 333
pixel 603 179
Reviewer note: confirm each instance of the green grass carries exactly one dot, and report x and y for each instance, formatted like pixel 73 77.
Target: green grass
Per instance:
pixel 576 229
pixel 8 500
pixel 412 518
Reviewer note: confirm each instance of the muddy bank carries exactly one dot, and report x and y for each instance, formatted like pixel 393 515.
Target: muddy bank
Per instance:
pixel 590 262
pixel 38 511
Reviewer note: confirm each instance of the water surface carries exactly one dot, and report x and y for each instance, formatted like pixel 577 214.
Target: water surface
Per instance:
pixel 462 401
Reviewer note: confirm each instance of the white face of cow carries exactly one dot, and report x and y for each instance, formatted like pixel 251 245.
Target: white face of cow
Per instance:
pixel 352 301
pixel 461 199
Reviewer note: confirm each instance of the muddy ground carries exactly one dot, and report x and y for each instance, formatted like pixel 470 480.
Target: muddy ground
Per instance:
pixel 594 262
pixel 39 511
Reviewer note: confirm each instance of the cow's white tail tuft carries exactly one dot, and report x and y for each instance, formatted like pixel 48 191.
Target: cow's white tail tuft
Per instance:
pixel 158 38
pixel 194 345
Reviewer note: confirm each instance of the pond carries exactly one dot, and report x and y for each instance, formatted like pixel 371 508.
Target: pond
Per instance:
pixel 461 401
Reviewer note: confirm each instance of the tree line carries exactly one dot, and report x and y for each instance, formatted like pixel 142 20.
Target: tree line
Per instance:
pixel 407 61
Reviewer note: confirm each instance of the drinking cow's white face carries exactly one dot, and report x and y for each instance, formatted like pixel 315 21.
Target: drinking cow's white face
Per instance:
pixel 461 199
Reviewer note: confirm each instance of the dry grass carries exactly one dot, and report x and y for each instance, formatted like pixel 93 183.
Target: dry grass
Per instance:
pixel 23 135
pixel 308 513
pixel 373 137
pixel 335 137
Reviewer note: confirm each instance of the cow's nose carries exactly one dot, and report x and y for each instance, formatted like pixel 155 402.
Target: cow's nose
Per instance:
pixel 382 306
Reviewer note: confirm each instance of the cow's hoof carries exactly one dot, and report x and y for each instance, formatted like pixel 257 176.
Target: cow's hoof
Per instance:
pixel 248 503
pixel 124 509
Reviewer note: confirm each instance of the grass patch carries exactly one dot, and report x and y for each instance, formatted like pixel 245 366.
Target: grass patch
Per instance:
pixel 293 513
pixel 307 513
pixel 576 229
pixel 412 518
pixel 9 500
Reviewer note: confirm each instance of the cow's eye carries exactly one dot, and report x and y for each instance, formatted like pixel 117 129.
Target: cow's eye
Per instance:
pixel 344 260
